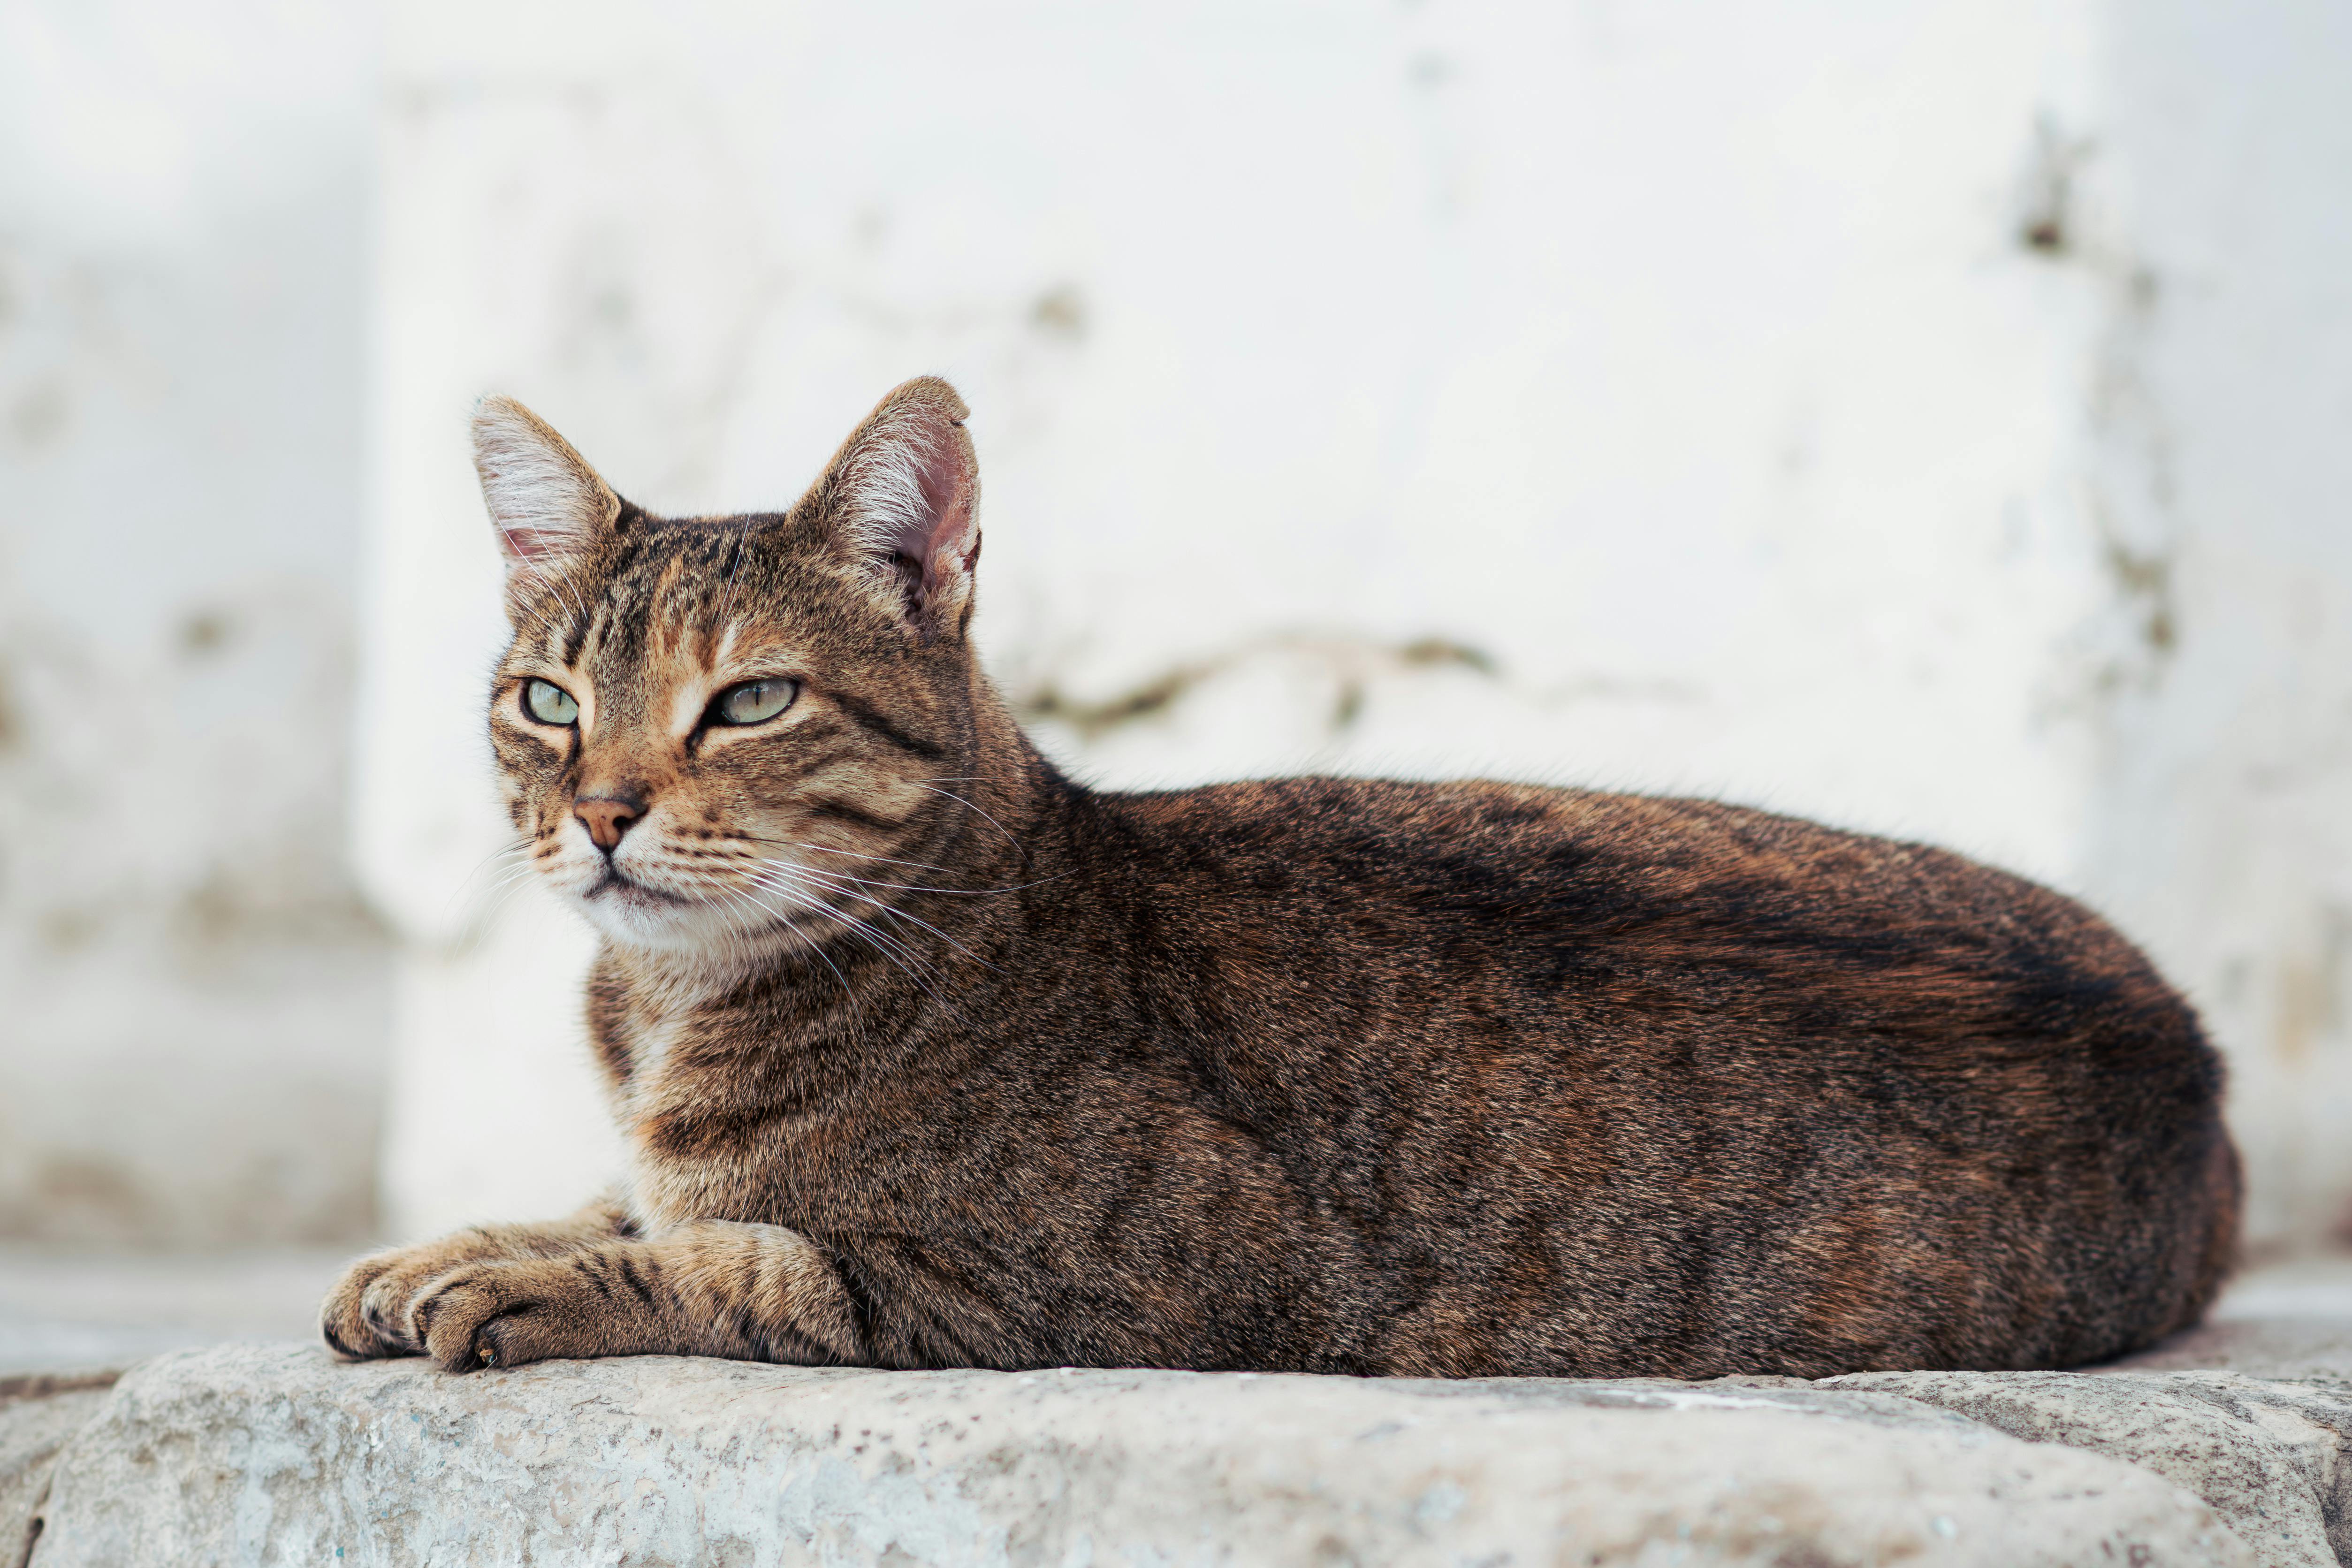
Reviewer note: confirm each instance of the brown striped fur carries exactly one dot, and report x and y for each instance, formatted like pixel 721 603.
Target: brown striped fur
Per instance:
pixel 927 1056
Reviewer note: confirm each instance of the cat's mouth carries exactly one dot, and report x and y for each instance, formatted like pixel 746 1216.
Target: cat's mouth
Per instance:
pixel 616 885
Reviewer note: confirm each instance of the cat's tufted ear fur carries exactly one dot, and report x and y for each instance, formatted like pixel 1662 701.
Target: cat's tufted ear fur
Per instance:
pixel 548 506
pixel 903 496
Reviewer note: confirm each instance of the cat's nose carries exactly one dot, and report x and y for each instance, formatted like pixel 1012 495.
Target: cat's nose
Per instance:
pixel 607 818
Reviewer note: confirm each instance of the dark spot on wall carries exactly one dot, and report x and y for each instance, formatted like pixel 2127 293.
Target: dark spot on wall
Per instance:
pixel 2145 581
pixel 1352 662
pixel 204 631
pixel 1427 651
pixel 2311 988
pixel 1140 701
pixel 227 910
pixel 99 1195
pixel 12 723
pixel 69 927
pixel 2046 208
pixel 1349 705
pixel 39 415
pixel 1430 71
pixel 1060 313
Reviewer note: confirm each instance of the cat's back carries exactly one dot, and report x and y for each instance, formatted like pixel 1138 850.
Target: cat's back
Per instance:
pixel 1681 879
pixel 1720 936
pixel 1738 1040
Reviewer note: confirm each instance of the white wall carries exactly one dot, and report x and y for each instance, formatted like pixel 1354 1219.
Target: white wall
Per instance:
pixel 192 996
pixel 2218 410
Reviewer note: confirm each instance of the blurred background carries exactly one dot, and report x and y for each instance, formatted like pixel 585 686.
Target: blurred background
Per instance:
pixel 1930 416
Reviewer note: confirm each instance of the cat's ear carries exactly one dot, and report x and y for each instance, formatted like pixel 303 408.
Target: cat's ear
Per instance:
pixel 548 507
pixel 903 496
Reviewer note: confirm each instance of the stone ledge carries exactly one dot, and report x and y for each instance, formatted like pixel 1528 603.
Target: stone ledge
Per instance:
pixel 40 1412
pixel 253 1454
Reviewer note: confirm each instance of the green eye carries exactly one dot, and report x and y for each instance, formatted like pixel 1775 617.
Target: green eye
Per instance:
pixel 754 702
pixel 548 702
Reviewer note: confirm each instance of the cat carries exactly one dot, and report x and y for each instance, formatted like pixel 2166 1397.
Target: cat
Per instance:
pixel 927 1056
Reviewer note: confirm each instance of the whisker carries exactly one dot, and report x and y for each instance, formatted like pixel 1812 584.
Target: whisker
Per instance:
pixel 515 870
pixel 859 855
pixel 503 852
pixel 547 627
pixel 919 887
pixel 886 908
pixel 504 895
pixel 888 946
pixel 992 821
pixel 524 559
pixel 895 946
pixel 785 924
pixel 545 623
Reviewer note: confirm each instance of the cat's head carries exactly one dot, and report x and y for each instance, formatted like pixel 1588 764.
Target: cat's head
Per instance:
pixel 711 729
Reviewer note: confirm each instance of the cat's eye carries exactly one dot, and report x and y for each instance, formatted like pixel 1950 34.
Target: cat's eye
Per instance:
pixel 754 702
pixel 548 702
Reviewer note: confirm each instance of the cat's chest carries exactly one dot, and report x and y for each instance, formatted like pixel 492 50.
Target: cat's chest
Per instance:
pixel 688 1159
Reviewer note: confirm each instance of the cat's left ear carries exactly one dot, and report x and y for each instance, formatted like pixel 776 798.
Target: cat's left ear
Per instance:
pixel 903 496
pixel 549 508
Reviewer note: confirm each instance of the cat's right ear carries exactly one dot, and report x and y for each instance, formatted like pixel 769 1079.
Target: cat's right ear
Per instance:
pixel 548 507
pixel 903 494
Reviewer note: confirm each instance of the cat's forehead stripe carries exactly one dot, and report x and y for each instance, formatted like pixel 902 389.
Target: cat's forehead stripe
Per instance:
pixel 680 593
pixel 668 624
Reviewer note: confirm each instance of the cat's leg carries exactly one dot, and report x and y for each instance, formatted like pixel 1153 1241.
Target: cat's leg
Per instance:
pixel 747 1292
pixel 371 1311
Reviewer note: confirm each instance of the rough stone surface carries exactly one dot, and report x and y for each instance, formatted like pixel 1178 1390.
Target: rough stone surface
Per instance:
pixel 2230 1445
pixel 38 1412
pixel 242 1455
pixel 2306 1349
pixel 2269 1457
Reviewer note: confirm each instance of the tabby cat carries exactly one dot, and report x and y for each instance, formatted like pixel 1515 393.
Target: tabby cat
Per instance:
pixel 927 1056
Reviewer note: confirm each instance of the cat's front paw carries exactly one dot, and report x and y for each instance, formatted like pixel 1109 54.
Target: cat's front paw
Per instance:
pixel 372 1309
pixel 343 1321
pixel 507 1314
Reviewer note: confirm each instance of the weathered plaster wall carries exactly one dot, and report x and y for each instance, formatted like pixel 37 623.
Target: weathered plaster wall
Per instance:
pixel 193 994
pixel 2218 413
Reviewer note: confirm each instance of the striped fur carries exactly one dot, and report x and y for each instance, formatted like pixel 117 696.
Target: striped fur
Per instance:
pixel 927 1056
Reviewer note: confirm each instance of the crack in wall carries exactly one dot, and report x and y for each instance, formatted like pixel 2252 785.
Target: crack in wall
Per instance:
pixel 1353 663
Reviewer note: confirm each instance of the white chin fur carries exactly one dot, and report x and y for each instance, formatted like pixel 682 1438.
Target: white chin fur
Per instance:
pixel 644 914
pixel 665 926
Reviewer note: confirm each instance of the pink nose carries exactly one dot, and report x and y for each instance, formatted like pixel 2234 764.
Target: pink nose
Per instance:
pixel 606 819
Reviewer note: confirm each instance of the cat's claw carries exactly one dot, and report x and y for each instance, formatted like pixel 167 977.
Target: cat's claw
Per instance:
pixel 468 1318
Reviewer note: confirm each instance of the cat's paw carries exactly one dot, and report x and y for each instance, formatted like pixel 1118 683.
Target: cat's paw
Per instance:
pixel 342 1317
pixel 372 1309
pixel 507 1314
